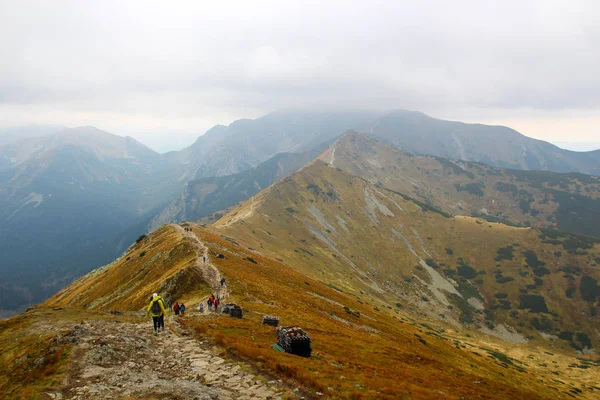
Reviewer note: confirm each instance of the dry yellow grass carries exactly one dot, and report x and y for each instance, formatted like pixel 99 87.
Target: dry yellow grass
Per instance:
pixel 35 349
pixel 161 260
pixel 358 352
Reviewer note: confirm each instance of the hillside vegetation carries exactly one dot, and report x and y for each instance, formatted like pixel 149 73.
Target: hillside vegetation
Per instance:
pixel 370 242
pixel 568 202
pixel 394 355
pixel 162 261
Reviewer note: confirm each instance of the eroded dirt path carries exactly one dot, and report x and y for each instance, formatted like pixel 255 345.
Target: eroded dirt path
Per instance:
pixel 203 262
pixel 126 360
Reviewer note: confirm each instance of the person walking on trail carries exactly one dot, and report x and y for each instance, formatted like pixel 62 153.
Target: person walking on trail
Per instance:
pixel 209 302
pixel 217 305
pixel 182 308
pixel 201 307
pixel 156 309
pixel 204 258
pixel 176 308
pixel 222 281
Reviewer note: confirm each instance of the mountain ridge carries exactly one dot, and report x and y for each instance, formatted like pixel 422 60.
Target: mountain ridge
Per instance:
pixel 568 201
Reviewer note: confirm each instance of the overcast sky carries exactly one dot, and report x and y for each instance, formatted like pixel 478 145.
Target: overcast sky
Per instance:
pixel 164 72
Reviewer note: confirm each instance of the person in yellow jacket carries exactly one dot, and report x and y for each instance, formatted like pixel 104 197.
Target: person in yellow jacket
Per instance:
pixel 156 308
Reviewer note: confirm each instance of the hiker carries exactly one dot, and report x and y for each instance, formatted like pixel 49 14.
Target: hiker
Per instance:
pixel 156 308
pixel 204 258
pixel 182 308
pixel 209 302
pixel 222 281
pixel 201 307
pixel 176 308
pixel 217 305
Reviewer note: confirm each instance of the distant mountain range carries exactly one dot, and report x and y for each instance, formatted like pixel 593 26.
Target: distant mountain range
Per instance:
pixel 15 134
pixel 63 194
pixel 72 199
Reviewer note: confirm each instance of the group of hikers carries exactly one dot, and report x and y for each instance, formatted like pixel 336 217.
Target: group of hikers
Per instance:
pixel 188 229
pixel 179 308
pixel 213 301
pixel 157 308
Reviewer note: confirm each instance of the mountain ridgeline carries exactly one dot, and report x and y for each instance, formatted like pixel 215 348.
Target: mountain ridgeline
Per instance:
pixel 371 242
pixel 72 200
pixel 569 201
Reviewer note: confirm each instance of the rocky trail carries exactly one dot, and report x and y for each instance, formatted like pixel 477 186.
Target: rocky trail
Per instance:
pixel 127 361
pixel 209 271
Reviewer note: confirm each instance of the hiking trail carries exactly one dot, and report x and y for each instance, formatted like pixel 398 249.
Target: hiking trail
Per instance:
pixel 126 360
pixel 123 360
pixel 210 273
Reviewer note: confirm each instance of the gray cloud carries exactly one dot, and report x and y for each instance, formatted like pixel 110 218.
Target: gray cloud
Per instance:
pixel 195 62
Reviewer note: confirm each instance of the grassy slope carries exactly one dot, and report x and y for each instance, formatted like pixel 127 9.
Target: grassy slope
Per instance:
pixel 35 348
pixel 462 188
pixel 162 260
pixel 357 352
pixel 363 253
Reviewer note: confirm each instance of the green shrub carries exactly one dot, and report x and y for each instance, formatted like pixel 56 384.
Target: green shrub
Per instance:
pixel 533 302
pixel 142 254
pixel 501 295
pixel 505 253
pixel 543 324
pixel 142 237
pixel 504 279
pixel 504 304
pixel 565 335
pixel 449 273
pixel 584 339
pixel 532 260
pixel 570 292
pixel 589 288
pixel 467 271
pixel 541 271
pixel 473 188
pixel 571 270
pixel 507 187
pixel 449 251
pixel 525 206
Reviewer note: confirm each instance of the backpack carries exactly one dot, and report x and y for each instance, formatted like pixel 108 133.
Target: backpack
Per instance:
pixel 155 307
